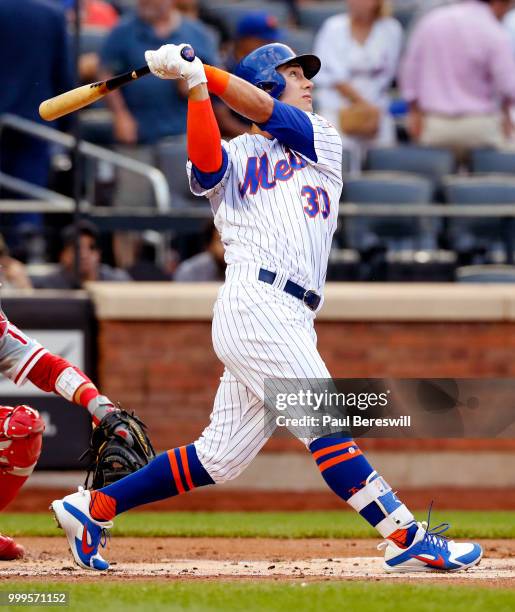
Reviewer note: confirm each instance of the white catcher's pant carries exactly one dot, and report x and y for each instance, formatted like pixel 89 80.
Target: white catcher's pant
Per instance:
pixel 259 332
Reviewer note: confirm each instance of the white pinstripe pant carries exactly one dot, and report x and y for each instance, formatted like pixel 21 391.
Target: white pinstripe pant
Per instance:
pixel 259 332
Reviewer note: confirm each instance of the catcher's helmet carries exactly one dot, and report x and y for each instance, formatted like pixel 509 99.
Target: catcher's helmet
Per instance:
pixel 260 67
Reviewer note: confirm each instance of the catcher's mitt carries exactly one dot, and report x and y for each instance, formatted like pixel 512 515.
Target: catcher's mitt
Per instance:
pixel 115 455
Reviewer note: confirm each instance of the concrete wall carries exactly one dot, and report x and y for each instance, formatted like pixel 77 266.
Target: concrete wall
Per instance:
pixel 155 354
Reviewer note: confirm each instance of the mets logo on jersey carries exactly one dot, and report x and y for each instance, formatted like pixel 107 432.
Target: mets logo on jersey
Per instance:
pixel 258 173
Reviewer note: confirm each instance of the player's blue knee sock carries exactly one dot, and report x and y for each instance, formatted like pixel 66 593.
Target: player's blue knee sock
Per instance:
pixel 348 473
pixel 176 471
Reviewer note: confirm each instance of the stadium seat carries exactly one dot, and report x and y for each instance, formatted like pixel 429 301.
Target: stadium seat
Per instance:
pixel 36 271
pixel 343 265
pixel 469 234
pixel 421 266
pixel 429 162
pixel 171 160
pixel 313 14
pixel 486 274
pixel 491 160
pixel 300 40
pixel 231 12
pixel 395 232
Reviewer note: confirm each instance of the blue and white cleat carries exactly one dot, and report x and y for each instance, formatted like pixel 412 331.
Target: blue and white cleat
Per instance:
pixel 84 533
pixel 430 552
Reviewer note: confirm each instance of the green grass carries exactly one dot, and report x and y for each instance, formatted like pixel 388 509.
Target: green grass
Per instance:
pixel 332 524
pixel 271 597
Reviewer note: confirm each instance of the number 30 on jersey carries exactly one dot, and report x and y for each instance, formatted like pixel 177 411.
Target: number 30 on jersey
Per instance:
pixel 316 200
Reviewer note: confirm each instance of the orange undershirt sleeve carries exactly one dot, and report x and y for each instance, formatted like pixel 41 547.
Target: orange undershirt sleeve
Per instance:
pixel 217 80
pixel 204 139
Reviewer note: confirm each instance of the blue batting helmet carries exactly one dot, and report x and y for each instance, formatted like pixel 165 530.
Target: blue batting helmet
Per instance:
pixel 260 67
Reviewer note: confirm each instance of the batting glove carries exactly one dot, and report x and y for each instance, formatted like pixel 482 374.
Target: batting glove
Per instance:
pixel 176 62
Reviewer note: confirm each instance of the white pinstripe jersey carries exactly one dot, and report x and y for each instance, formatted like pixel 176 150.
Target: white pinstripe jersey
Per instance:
pixel 276 208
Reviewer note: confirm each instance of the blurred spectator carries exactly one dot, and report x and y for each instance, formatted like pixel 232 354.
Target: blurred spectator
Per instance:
pixel 93 13
pixel 206 266
pixel 509 24
pixel 424 6
pixel 360 53
pixel 90 266
pixel 34 64
pixel 99 16
pixel 293 6
pixel 202 11
pixel 188 8
pixel 13 274
pixel 146 268
pixel 254 29
pixel 151 109
pixel 458 76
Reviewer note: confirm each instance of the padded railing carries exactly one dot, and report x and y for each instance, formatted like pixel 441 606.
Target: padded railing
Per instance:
pixel 156 178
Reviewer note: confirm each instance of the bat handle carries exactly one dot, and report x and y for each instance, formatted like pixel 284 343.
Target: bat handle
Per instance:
pixel 126 77
pixel 141 72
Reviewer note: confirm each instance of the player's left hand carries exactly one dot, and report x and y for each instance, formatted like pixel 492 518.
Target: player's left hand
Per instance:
pixel 176 62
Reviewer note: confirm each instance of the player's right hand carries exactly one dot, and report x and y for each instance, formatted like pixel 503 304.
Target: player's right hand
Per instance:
pixel 176 62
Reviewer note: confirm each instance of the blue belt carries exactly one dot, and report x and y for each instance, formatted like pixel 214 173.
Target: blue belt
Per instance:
pixel 308 296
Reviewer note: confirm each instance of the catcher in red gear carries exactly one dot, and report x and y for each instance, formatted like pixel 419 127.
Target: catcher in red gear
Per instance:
pixel 21 427
pixel 21 430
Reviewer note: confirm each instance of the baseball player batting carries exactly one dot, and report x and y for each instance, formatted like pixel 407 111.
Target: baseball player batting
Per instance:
pixel 21 428
pixel 274 195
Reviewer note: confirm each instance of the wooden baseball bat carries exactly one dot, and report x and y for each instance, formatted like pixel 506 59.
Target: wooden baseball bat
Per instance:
pixel 72 100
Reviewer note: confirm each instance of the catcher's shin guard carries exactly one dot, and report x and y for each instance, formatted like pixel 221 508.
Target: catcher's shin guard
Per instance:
pixel 9 487
pixel 21 431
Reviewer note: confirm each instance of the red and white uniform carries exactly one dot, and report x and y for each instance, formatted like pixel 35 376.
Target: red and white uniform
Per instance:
pixel 21 428
pixel 18 353
pixel 22 358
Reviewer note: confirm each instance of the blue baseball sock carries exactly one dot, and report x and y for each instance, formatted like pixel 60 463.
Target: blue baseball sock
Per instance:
pixel 171 473
pixel 348 473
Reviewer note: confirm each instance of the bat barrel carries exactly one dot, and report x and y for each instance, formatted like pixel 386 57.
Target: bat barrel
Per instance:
pixel 77 98
pixel 73 100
